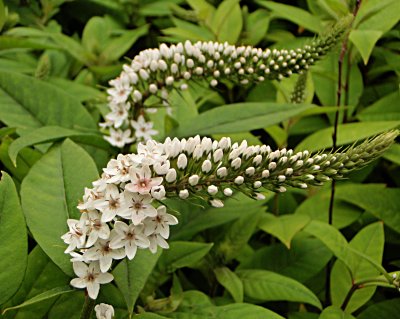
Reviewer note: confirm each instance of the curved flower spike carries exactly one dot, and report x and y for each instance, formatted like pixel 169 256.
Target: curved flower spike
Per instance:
pixel 202 168
pixel 155 72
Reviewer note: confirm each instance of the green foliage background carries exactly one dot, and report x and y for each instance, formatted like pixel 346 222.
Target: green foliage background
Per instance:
pixel 249 259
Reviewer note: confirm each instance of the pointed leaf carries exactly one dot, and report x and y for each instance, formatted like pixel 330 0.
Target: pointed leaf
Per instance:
pixel 365 40
pixel 283 227
pixel 334 313
pixel 263 285
pixel 14 252
pixel 131 275
pixel 231 282
pixel 50 193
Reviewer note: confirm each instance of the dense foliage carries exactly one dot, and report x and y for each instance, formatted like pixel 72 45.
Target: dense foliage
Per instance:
pixel 223 229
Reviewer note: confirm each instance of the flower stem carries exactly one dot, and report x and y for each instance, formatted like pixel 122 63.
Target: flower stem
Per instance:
pixel 342 55
pixel 88 307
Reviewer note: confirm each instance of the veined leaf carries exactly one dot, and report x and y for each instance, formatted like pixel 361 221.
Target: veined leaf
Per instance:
pixel 365 40
pixel 50 193
pixel 370 242
pixel 283 227
pixel 131 275
pixel 14 252
pixel 294 14
pixel 52 133
pixel 28 103
pixel 263 285
pixel 239 117
pixel 42 297
pixel 231 282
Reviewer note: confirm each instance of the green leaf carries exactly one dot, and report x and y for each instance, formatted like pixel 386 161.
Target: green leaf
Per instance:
pixel 42 297
pixel 333 312
pixel 50 193
pixel 238 234
pixel 131 275
pixel 30 103
pixel 382 202
pixel 93 35
pixel 52 133
pixel 393 154
pixel 227 22
pixel 383 309
pixel 294 14
pixel 365 40
pixel 14 252
pixel 182 254
pixel 385 109
pixel 239 117
pixel 317 207
pixel 148 315
pixel 283 227
pixel 116 48
pixel 337 243
pixel 370 242
pixel 263 285
pixel 41 275
pixel 257 24
pixel 305 259
pixel 200 220
pixel 68 306
pixel 347 133
pixel 231 282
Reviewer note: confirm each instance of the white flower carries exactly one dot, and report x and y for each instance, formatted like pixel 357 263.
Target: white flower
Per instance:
pixel 121 88
pixel 217 203
pixel 112 204
pixel 143 130
pixel 90 277
pixel 160 223
pixel 171 175
pixel 183 194
pixel 142 182
pixel 155 241
pixel 182 161
pixel 118 115
pixel 119 138
pixel 118 169
pixel 130 237
pixel 76 235
pixel 104 311
pixel 96 228
pixel 139 207
pixel 212 189
pixel 228 192
pixel 104 253
pixel 193 180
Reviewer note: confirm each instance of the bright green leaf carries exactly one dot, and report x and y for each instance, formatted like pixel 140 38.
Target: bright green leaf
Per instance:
pixel 50 194
pixel 333 312
pixel 14 252
pixel 263 285
pixel 131 275
pixel 283 227
pixel 239 117
pixel 365 41
pixel 231 282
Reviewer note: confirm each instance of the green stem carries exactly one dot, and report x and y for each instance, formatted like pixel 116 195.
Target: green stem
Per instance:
pixel 88 307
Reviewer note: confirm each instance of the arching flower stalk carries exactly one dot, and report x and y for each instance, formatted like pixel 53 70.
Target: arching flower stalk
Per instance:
pixel 155 72
pixel 124 210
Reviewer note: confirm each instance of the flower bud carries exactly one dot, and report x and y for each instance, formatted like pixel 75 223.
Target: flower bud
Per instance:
pixel 183 194
pixel 206 166
pixel 212 189
pixel 257 184
pixel 158 192
pixel 281 178
pixel 228 192
pixel 239 180
pixel 265 173
pixel 217 203
pixel 171 175
pixel 236 163
pixel 271 166
pixel 257 160
pixel 222 172
pixel 182 161
pixel 193 180
pixel 250 171
pixel 217 156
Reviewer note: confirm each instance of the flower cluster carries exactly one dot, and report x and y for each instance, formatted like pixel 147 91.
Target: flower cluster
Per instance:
pixel 155 72
pixel 124 210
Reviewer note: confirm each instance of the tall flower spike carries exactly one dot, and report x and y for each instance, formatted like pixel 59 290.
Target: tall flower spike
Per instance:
pixel 212 173
pixel 155 72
